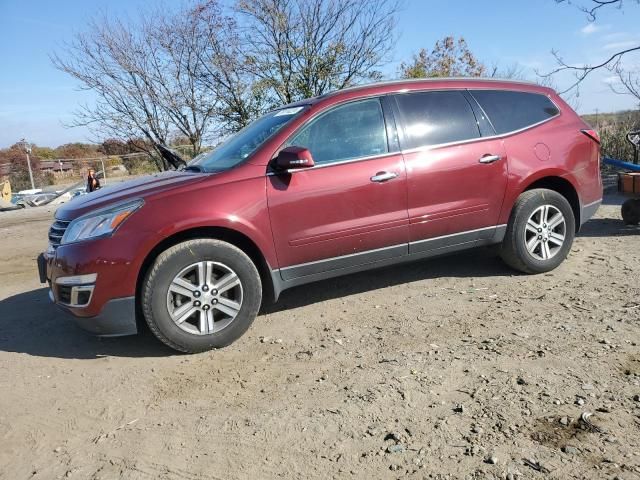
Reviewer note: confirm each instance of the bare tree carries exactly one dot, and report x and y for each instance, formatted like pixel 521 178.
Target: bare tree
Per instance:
pixel 177 76
pixel 613 63
pixel 104 61
pixel 240 96
pixel 198 70
pixel 149 76
pixel 303 48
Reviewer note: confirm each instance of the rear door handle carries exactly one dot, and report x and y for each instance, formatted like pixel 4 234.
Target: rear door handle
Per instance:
pixel 383 176
pixel 489 158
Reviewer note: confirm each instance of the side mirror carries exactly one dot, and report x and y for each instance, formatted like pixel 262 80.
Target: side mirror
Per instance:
pixel 293 158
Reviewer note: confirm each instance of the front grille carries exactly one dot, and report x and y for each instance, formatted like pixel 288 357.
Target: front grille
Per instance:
pixel 56 232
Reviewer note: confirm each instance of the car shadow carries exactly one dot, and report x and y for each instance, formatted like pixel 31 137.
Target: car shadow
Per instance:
pixel 30 324
pixel 479 262
pixel 615 198
pixel 607 227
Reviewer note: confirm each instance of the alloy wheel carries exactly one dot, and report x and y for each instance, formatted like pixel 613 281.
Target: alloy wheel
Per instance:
pixel 204 297
pixel 545 232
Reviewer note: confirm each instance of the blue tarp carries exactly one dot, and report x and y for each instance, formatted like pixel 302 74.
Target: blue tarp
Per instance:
pixel 620 164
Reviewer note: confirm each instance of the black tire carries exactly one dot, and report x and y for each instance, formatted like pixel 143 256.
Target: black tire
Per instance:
pixel 172 261
pixel 513 249
pixel 630 211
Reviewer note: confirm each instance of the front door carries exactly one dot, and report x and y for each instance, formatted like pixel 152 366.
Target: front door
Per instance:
pixel 351 207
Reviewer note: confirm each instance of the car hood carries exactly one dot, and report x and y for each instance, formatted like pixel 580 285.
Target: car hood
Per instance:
pixel 139 188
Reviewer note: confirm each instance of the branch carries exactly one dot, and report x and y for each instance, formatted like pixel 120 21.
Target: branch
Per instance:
pixel 596 5
pixel 582 72
pixel 630 81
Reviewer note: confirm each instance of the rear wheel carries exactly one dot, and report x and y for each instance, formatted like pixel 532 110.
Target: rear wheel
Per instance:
pixel 540 232
pixel 201 294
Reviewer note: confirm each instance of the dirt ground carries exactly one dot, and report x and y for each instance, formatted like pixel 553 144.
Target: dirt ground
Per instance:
pixel 450 368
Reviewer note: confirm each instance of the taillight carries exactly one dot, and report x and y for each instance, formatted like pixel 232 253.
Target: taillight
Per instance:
pixel 592 134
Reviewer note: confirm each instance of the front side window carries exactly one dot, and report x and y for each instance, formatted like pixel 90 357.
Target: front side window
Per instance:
pixel 346 132
pixel 433 118
pixel 510 111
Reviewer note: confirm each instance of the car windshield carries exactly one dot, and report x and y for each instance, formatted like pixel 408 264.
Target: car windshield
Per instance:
pixel 238 147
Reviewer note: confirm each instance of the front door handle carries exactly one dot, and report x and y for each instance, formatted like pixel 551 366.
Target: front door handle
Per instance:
pixel 383 176
pixel 489 158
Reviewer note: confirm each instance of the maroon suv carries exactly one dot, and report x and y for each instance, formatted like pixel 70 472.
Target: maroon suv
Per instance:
pixel 357 179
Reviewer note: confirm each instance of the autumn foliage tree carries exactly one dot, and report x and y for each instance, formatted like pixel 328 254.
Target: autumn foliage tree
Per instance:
pixel 15 157
pixel 450 57
pixel 76 150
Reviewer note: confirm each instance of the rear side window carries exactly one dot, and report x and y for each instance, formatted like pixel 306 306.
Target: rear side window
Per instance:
pixel 510 111
pixel 432 118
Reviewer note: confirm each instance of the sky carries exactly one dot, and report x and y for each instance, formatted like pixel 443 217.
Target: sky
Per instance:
pixel 37 101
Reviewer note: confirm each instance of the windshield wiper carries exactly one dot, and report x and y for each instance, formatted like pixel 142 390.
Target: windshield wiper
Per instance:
pixel 192 168
pixel 170 156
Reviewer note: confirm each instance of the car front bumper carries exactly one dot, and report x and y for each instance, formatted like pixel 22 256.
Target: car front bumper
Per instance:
pixel 115 317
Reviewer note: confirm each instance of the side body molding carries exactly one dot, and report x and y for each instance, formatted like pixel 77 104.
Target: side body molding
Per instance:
pixel 288 277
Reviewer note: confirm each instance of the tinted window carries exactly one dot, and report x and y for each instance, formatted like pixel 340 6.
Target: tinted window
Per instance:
pixel 346 132
pixel 509 111
pixel 431 118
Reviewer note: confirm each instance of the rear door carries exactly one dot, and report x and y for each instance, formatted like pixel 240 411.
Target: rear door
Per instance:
pixel 456 177
pixel 351 207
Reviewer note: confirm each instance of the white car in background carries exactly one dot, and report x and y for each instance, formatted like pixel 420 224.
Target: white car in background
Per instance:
pixel 31 191
pixel 40 199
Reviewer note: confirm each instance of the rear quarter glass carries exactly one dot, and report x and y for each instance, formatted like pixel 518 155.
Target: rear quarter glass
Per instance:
pixel 510 111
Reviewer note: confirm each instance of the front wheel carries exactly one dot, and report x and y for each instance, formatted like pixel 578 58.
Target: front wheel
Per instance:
pixel 540 232
pixel 201 294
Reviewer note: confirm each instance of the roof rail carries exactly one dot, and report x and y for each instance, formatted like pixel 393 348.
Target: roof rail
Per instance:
pixel 403 81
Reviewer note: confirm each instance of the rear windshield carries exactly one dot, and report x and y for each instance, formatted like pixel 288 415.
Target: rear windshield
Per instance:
pixel 510 111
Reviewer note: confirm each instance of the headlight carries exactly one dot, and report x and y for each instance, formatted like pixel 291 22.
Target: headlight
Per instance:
pixel 100 223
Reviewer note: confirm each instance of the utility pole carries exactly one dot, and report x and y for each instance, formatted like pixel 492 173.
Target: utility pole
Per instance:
pixel 104 172
pixel 27 149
